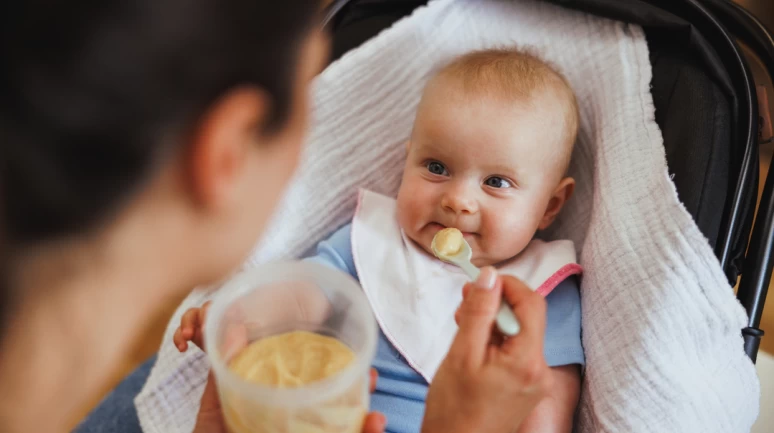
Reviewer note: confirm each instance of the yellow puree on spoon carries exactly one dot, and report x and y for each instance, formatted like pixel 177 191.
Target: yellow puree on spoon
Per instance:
pixel 447 242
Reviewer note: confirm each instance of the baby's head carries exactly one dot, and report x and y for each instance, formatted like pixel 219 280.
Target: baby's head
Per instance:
pixel 489 153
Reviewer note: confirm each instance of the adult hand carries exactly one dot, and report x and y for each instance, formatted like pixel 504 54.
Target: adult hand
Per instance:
pixel 210 416
pixel 487 383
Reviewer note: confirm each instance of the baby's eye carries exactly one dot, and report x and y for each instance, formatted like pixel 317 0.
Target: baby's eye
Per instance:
pixel 497 182
pixel 437 168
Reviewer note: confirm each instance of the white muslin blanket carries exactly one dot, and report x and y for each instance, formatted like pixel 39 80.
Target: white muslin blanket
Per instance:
pixel 661 326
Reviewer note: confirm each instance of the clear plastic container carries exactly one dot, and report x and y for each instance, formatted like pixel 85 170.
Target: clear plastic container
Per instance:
pixel 277 298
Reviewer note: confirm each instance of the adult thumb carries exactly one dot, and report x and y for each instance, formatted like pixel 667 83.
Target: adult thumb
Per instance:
pixel 210 400
pixel 476 315
pixel 210 418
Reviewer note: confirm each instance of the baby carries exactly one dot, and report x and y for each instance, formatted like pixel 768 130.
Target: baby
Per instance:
pixel 488 154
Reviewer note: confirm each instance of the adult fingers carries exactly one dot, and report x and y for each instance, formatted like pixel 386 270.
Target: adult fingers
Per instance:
pixel 234 340
pixel 465 290
pixel 210 417
pixel 476 316
pixel 530 309
pixel 210 399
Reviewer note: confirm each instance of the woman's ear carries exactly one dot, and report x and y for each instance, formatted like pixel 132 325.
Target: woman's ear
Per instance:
pixel 220 142
pixel 561 194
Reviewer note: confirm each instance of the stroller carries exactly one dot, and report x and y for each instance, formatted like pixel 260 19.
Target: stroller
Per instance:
pixel 699 76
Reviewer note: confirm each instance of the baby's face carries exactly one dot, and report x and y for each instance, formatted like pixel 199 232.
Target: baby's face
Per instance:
pixel 485 167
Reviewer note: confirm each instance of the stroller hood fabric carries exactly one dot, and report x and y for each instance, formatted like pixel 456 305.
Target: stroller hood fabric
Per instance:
pixel 661 326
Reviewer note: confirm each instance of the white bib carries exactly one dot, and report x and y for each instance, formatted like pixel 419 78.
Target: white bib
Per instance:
pixel 414 295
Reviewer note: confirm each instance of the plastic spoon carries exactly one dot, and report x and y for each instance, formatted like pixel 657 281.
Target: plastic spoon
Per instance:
pixel 449 246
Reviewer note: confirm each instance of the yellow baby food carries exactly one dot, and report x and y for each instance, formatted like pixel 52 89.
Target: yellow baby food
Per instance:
pixel 293 360
pixel 447 242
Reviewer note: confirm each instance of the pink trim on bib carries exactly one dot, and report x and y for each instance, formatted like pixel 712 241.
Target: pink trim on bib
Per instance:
pixel 562 274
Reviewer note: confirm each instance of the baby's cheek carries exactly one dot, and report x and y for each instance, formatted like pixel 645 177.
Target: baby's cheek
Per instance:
pixel 406 211
pixel 509 233
pixel 413 197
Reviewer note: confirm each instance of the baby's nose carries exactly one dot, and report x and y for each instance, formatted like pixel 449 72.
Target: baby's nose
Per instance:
pixel 459 202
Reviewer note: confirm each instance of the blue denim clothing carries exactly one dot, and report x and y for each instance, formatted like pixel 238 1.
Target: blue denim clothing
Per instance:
pixel 116 413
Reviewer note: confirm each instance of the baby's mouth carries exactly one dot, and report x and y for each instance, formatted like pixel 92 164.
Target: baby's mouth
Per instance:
pixel 436 227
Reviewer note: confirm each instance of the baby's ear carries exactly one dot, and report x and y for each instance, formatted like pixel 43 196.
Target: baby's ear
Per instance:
pixel 561 194
pixel 408 145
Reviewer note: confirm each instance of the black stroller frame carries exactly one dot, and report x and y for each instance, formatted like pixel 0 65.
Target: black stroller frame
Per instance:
pixel 685 37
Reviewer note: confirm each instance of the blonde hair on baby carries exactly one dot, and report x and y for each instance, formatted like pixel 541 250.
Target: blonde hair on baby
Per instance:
pixel 517 75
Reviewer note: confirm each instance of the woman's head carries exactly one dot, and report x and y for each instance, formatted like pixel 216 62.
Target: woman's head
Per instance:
pixel 188 111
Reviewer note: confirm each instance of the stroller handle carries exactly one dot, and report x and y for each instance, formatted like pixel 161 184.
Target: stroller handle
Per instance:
pixel 759 262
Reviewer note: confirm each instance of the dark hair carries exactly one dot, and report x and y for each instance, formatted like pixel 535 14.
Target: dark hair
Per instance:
pixel 94 93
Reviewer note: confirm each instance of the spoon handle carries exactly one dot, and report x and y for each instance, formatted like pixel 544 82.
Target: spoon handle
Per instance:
pixel 469 268
pixel 506 321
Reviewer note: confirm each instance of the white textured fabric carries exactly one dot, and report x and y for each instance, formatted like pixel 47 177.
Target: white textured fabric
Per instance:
pixel 661 327
pixel 414 295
